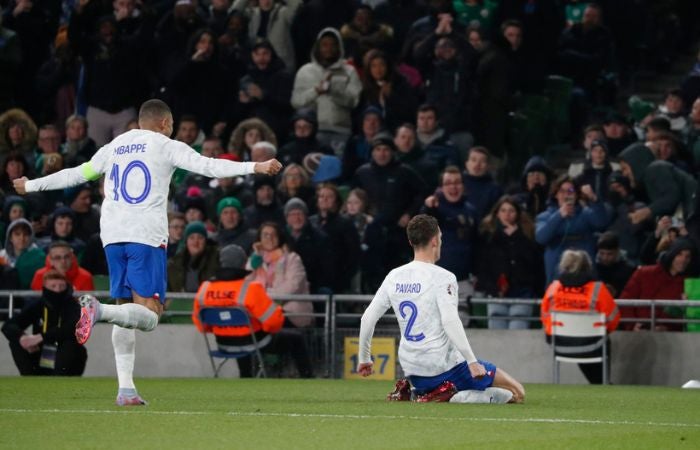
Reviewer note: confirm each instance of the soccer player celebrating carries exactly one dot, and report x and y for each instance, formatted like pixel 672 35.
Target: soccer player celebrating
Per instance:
pixel 134 225
pixel 434 351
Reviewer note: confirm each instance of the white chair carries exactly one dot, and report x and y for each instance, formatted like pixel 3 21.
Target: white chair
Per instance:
pixel 579 325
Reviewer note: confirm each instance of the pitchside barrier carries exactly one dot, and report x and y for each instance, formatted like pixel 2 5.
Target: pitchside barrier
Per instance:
pixel 332 339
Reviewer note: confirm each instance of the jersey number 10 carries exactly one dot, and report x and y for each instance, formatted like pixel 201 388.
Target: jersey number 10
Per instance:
pixel 120 188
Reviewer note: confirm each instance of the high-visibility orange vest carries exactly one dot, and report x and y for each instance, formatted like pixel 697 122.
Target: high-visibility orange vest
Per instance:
pixel 592 296
pixel 265 314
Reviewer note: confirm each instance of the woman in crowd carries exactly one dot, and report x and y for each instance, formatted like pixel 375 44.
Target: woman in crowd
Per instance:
pixel 246 135
pixel 295 182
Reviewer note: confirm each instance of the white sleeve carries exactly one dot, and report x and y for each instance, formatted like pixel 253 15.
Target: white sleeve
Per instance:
pixel 62 179
pixel 376 309
pixel 184 157
pixel 452 324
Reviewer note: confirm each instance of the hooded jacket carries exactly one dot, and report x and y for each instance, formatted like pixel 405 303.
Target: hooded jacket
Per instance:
pixel 76 244
pixel 535 201
pixel 26 264
pixel 79 278
pixel 656 283
pixel 666 186
pixel 20 117
pixel 333 108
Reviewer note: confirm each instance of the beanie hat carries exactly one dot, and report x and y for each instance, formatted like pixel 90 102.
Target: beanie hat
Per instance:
pixel 195 227
pixel 329 168
pixel 263 180
pixel 227 202
pixel 295 203
pixel 196 203
pixel 305 114
pixel 383 139
pixel 232 257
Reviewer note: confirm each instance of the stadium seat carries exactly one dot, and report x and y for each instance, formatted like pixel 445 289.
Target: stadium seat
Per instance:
pixel 230 317
pixel 578 325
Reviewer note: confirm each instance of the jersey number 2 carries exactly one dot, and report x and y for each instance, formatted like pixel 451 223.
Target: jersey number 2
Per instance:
pixel 412 314
pixel 120 188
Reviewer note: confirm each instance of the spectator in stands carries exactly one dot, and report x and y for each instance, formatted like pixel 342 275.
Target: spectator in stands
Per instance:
pixel 666 187
pixel 342 235
pixel 315 16
pixel 623 203
pixel 595 169
pixel 194 207
pixel 295 182
pixel 280 271
pixel 525 57
pixel 61 229
pixel 475 13
pixel 87 217
pixel 60 257
pixel 667 147
pixel 195 262
pixel 234 46
pixel 311 244
pixel 189 132
pixel 459 224
pixel 272 20
pixel 617 133
pixel 355 210
pixel 359 147
pixel 585 50
pixel 534 186
pixel 569 223
pixel 668 229
pixel 176 232
pixel 303 139
pixel 21 257
pixel 246 135
pixel 510 263
pixel 576 291
pixel 611 264
pixel 480 188
pixel 266 317
pixel 674 110
pixel 14 166
pixel 363 34
pixel 229 187
pixel 17 132
pixel 329 86
pixel 79 147
pixel 217 15
pixel 661 281
pixel 51 347
pixel 265 89
pixel 385 88
pixel 232 228
pixel 692 134
pixel 265 207
pixel 413 155
pixel 112 62
pixel 434 139
pixel 11 55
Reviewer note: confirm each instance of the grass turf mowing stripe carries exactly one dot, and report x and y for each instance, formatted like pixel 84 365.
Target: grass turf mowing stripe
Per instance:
pixel 353 416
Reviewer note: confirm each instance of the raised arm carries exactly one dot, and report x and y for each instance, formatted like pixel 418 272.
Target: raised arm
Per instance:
pixel 186 158
pixel 452 324
pixel 60 180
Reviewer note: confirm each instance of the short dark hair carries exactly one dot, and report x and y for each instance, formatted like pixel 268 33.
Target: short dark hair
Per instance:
pixel 608 241
pixel 188 118
pixel 511 23
pixel 421 229
pixel 659 124
pixel 480 149
pixel 59 244
pixel 425 107
pixel 154 109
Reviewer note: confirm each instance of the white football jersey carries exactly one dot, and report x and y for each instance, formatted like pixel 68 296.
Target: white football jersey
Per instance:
pixel 414 291
pixel 137 166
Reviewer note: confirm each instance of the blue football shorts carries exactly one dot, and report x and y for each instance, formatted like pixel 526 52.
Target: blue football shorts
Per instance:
pixel 459 375
pixel 136 267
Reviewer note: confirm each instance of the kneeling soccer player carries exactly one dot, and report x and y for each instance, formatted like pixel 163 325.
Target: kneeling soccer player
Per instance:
pixel 434 351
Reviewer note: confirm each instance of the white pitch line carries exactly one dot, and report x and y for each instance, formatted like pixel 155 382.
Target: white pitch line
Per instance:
pixel 146 411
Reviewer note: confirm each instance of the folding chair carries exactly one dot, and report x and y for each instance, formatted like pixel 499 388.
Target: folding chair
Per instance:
pixel 230 317
pixel 579 325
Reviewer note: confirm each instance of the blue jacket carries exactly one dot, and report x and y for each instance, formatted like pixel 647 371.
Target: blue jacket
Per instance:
pixel 558 234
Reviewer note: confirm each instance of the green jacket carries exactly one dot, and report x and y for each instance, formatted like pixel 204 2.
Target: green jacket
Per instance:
pixel 206 266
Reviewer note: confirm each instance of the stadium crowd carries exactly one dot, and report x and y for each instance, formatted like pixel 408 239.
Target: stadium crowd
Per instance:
pixel 501 118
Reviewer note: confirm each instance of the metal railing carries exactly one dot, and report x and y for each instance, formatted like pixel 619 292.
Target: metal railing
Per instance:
pixel 334 305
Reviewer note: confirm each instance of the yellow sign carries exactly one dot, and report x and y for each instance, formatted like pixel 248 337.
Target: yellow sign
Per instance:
pixel 383 355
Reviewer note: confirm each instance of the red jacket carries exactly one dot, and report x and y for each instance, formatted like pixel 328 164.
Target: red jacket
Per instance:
pixel 591 296
pixel 651 283
pixel 80 278
pixel 265 314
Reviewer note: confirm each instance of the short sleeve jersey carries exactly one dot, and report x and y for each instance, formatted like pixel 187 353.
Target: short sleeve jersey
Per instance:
pixel 414 291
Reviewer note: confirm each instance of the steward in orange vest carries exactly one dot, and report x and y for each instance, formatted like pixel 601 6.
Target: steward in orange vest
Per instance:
pixel 229 288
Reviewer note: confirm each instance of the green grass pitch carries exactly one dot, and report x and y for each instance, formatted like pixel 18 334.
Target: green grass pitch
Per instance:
pixel 56 413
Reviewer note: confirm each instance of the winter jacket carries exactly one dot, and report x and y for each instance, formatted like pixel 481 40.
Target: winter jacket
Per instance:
pixel 26 264
pixel 205 266
pixel 482 192
pixel 345 248
pixel 279 24
pixel 316 252
pixel 79 278
pixel 333 108
pixel 666 186
pixel 557 233
pixel 11 117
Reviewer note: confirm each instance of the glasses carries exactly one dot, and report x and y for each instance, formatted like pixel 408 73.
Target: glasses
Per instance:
pixel 567 190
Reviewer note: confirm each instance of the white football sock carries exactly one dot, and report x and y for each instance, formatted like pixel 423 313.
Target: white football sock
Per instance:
pixel 124 343
pixel 489 395
pixel 130 315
